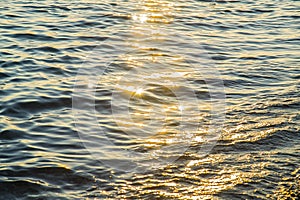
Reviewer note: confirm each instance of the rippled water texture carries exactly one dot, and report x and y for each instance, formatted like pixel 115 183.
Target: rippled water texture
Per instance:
pixel 84 81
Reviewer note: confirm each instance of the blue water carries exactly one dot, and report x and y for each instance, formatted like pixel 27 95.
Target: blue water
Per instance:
pixel 84 81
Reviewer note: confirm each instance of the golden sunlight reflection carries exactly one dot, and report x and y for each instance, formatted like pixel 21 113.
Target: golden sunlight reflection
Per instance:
pixel 145 26
pixel 153 104
pixel 154 109
pixel 154 12
pixel 140 18
pixel 139 91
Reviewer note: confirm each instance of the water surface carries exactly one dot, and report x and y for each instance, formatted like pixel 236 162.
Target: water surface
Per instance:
pixel 253 45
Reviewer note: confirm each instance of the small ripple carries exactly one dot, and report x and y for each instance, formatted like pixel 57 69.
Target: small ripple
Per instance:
pixel 39 37
pixel 3 75
pixel 65 8
pixel 92 38
pixel 82 48
pixel 10 64
pixel 66 59
pixel 30 107
pixel 18 189
pixel 12 134
pixel 43 49
pixel 13 27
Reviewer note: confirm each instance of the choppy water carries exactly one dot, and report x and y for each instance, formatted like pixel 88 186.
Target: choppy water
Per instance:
pixel 49 54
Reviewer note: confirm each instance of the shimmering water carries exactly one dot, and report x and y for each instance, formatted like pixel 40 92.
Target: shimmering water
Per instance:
pixel 164 62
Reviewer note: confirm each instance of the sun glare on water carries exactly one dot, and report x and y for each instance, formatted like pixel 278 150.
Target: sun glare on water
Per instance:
pixel 139 91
